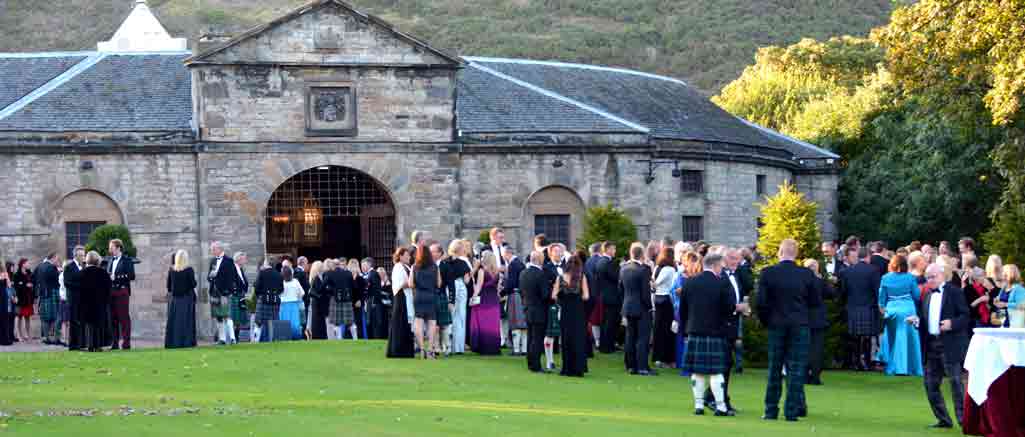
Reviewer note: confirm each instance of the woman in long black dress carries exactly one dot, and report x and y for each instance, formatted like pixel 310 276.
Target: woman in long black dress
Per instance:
pixel 181 313
pixel 400 335
pixel 6 309
pixel 571 291
pixel 319 303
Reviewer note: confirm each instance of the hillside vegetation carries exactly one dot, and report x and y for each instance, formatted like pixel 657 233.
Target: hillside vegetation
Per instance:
pixel 705 42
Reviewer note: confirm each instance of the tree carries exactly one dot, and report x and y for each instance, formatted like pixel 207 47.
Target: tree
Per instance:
pixel 607 223
pixel 484 237
pixel 788 214
pixel 1004 238
pixel 100 238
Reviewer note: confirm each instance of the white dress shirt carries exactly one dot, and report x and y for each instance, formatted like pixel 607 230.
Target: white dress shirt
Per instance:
pixel 113 266
pixel 935 304
pixel 664 281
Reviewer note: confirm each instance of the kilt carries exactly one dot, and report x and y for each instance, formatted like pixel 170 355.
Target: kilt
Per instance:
pixel 705 355
pixel 220 307
pixel 341 313
pixel 517 313
pixel 49 308
pixel 239 313
pixel 65 311
pixel 441 312
pixel 863 322
pixel 553 329
pixel 267 311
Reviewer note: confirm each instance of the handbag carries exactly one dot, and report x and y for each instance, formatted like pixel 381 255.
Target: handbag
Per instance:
pixel 474 301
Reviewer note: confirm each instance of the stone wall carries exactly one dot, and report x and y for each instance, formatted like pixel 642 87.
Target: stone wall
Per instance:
pixel 155 195
pixel 822 189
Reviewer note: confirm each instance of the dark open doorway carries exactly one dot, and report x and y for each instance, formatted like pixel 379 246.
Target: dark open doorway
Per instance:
pixel 331 212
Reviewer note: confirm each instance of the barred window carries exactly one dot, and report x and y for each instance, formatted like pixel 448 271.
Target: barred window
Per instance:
pixel 554 226
pixel 693 228
pixel 760 185
pixel 77 234
pixel 692 181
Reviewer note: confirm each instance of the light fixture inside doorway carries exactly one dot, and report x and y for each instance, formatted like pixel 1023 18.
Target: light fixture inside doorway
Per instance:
pixel 324 168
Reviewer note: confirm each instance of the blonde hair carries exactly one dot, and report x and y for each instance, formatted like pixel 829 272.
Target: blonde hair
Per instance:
pixel 353 266
pixel 994 267
pixel 454 247
pixel 948 266
pixel 181 260
pixel 467 247
pixel 692 264
pixel 1012 275
pixel 489 262
pixel 315 269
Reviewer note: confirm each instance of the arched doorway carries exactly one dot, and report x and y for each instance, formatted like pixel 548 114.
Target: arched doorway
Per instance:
pixel 82 211
pixel 557 212
pixel 331 212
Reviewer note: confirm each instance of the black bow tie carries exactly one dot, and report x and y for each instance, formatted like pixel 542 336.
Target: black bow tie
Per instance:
pixel 937 290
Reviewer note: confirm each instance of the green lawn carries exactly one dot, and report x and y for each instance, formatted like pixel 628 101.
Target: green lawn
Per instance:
pixel 345 388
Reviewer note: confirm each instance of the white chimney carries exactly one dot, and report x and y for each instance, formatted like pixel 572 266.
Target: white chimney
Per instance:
pixel 142 32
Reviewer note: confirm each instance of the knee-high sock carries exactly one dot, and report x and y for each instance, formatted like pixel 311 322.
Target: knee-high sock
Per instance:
pixel 354 332
pixel 550 352
pixel 229 331
pixel 697 385
pixel 446 339
pixel 523 341
pixel 516 341
pixel 718 381
pixel 596 332
pixel 255 336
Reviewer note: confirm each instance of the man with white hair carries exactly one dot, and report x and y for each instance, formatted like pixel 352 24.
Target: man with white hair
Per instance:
pixel 786 291
pixel 944 324
pixel 221 279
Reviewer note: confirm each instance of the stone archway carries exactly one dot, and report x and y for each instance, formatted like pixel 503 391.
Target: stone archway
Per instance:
pixel 78 213
pixel 558 212
pixel 331 211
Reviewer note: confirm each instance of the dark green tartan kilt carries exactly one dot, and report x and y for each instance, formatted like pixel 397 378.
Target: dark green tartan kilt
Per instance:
pixel 49 307
pixel 219 307
pixel 705 355
pixel 239 313
pixel 441 312
pixel 553 329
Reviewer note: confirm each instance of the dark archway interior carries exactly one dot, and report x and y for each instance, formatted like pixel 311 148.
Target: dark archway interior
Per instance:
pixel 331 212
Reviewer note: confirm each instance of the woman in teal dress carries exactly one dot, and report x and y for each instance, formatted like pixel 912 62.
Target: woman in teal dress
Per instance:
pixel 899 346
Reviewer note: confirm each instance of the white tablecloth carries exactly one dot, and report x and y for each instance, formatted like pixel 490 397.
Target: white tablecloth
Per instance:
pixel 991 353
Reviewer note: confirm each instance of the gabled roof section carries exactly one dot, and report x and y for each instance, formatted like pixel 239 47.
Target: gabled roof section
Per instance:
pixel 490 102
pixel 110 93
pixel 210 56
pixel 23 73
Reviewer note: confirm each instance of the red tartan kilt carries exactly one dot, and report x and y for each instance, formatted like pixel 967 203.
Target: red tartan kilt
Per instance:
pixel 596 313
pixel 119 304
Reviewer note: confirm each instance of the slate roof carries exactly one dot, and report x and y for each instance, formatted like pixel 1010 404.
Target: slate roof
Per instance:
pixel 20 74
pixel 666 107
pixel 120 93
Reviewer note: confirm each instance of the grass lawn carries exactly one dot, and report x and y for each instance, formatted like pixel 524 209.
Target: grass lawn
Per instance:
pixel 346 388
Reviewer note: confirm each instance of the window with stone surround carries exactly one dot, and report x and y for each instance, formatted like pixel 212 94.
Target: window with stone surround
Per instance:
pixel 77 234
pixel 760 185
pixel 692 181
pixel 693 228
pixel 554 226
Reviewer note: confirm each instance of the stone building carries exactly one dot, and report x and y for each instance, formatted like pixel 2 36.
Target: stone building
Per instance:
pixel 328 132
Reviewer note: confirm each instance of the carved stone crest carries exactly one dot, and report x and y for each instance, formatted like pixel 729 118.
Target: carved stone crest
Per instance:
pixel 330 111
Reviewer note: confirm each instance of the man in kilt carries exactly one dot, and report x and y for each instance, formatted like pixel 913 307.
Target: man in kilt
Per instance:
pixel 269 286
pixel 786 291
pixel 47 288
pixel 239 313
pixel 121 269
pixel 860 283
pixel 221 277
pixel 706 305
pixel 339 284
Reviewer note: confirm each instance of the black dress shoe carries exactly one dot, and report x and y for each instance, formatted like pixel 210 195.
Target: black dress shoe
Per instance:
pixel 791 419
pixel 699 411
pixel 768 417
pixel 727 413
pixel 647 373
pixel 943 425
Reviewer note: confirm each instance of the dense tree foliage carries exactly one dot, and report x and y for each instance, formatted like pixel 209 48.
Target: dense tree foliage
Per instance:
pixel 607 223
pixel 788 214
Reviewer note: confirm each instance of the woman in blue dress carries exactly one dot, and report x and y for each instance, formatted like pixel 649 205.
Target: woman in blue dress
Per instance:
pixel 899 346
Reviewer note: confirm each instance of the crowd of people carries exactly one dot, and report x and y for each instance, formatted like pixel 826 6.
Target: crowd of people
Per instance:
pixel 666 305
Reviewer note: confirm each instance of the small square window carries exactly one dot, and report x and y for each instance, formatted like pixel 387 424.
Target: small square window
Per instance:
pixel 693 228
pixel 692 181
pixel 554 226
pixel 760 185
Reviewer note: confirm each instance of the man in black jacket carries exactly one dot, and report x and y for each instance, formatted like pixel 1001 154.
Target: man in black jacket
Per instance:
pixel 221 277
pixel 730 275
pixel 592 307
pixel 607 273
pixel 537 297
pixel 73 284
pixel 47 286
pixel 785 293
pixel 122 272
pixel 514 299
pixel 860 283
pixel 944 324
pixel 707 304
pixel 635 285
